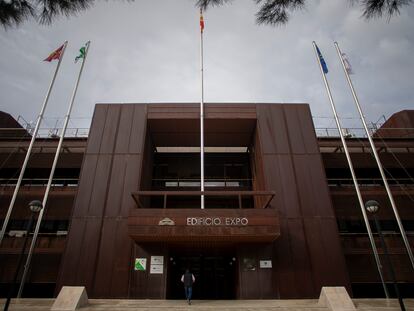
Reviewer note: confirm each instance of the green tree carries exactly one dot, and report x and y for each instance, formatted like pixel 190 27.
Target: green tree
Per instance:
pixel 277 12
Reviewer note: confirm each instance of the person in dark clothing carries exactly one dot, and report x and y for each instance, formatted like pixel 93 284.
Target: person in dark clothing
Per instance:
pixel 188 279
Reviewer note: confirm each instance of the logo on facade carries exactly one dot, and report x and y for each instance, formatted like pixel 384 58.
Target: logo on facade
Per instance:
pixel 166 222
pixel 217 221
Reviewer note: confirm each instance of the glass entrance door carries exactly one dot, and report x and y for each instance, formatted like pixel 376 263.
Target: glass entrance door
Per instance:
pixel 215 274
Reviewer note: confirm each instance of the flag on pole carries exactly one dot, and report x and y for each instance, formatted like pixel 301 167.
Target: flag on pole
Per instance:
pixel 55 54
pixel 81 53
pixel 323 63
pixel 348 66
pixel 201 20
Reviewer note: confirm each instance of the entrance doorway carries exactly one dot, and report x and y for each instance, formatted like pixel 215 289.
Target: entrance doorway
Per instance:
pixel 214 270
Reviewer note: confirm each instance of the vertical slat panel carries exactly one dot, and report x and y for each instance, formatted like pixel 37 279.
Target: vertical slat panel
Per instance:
pixel 320 186
pixel 96 130
pixel 333 253
pixel 110 129
pixel 69 264
pixel 116 185
pixel 124 129
pixel 139 124
pixel 99 190
pixel 307 128
pixel 88 253
pixel 271 123
pixel 85 187
pixel 105 259
pixel 308 199
pixel 131 183
pixel 304 284
pixel 282 180
pixel 284 262
pixel 294 129
pixel 317 253
pixel 122 264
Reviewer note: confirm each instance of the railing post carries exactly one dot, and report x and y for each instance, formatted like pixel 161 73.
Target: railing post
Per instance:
pixel 165 201
pixel 240 201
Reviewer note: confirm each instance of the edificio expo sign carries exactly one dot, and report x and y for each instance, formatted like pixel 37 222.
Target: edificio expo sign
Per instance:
pixel 217 221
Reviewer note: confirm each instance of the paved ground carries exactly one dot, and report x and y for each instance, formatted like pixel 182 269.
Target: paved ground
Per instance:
pixel 208 305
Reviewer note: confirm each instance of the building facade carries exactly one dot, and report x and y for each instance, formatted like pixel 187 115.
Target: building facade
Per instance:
pixel 281 217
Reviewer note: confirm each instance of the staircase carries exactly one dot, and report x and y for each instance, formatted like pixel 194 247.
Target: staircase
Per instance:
pixel 209 305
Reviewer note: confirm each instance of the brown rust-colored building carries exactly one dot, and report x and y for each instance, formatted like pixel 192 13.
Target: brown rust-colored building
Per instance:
pixel 281 218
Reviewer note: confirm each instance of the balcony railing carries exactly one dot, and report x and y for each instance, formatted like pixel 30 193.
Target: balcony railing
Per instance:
pixel 333 182
pixel 245 183
pixel 268 196
pixel 39 182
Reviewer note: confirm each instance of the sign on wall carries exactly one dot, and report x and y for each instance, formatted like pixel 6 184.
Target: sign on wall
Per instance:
pixel 157 269
pixel 265 264
pixel 157 265
pixel 157 260
pixel 140 264
pixel 217 221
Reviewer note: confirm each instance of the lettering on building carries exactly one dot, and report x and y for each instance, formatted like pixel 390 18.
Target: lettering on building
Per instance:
pixel 217 221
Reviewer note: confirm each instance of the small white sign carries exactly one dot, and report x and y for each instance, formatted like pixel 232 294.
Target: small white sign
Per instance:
pixel 157 269
pixel 157 260
pixel 265 264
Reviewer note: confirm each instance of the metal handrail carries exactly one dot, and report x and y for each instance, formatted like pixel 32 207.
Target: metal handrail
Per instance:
pixel 50 132
pixel 39 182
pixel 374 181
pixel 355 132
pixel 181 182
pixel 239 194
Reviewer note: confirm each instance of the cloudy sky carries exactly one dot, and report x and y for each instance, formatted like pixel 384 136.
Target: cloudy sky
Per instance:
pixel 148 51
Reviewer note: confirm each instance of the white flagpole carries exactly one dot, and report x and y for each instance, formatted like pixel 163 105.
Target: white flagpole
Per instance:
pixel 201 116
pixel 29 150
pixel 52 172
pixel 377 159
pixel 351 168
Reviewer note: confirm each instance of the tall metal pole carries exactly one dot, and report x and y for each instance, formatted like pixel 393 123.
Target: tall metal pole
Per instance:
pixel 351 168
pixel 201 112
pixel 29 150
pixel 19 262
pixel 52 172
pixel 388 260
pixel 377 159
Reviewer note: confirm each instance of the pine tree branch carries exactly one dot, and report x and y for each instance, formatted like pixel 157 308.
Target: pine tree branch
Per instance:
pixel 277 12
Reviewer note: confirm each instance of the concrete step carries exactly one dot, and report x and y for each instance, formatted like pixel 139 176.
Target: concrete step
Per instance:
pixel 208 305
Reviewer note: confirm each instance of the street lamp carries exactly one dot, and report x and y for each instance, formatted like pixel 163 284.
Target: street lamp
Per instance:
pixel 373 207
pixel 35 207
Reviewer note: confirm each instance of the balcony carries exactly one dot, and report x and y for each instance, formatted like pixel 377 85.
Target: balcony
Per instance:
pixel 193 224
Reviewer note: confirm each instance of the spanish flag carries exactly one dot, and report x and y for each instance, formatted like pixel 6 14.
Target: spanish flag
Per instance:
pixel 55 54
pixel 201 20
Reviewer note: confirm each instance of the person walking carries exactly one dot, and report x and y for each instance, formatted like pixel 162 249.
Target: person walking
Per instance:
pixel 188 279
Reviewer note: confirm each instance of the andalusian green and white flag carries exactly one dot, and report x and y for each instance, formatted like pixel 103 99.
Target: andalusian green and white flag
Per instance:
pixel 82 52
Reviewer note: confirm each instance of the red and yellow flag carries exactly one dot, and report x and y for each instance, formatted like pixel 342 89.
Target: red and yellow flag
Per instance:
pixel 55 54
pixel 201 21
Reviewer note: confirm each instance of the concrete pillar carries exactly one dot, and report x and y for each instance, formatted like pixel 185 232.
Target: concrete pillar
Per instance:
pixel 336 299
pixel 70 298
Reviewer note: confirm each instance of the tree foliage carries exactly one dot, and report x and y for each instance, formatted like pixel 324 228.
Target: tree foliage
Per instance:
pixel 14 12
pixel 277 12
pixel 272 12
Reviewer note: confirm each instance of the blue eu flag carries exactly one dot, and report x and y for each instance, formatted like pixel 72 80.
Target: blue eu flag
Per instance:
pixel 323 63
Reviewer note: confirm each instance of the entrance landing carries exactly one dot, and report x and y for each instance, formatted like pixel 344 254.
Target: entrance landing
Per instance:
pixel 208 305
